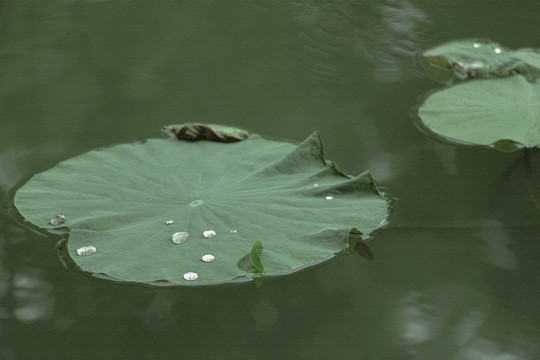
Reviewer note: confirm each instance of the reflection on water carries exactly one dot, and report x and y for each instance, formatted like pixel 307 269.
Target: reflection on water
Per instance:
pixel 398 38
pixel 33 298
pixel 450 314
pixel 385 37
pixel 458 322
pixel 158 315
pixel 497 246
pixel 266 316
pixel 5 287
pixel 5 274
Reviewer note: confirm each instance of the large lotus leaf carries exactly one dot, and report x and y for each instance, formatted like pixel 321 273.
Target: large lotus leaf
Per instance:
pixel 499 112
pixel 482 58
pixel 274 206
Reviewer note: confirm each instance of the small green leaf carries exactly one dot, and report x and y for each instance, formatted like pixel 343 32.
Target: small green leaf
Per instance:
pixel 251 262
pixel 502 112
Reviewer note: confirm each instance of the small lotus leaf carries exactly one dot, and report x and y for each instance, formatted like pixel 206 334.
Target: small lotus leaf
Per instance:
pixel 470 58
pixel 503 112
pixel 128 200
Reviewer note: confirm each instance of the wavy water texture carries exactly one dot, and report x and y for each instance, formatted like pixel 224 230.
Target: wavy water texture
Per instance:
pixel 339 39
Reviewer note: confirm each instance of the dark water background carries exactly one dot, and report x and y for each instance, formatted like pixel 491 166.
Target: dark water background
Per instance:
pixel 456 272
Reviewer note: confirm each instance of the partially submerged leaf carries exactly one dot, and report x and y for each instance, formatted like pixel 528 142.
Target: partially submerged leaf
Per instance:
pixel 128 200
pixel 503 112
pixel 471 58
pixel 212 132
pixel 363 250
pixel 357 245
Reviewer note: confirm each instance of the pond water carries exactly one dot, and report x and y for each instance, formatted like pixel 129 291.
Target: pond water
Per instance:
pixel 456 271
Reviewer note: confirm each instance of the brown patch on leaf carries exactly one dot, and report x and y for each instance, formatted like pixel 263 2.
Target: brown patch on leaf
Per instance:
pixel 209 132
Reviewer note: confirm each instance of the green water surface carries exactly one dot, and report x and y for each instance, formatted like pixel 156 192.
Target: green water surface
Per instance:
pixel 456 272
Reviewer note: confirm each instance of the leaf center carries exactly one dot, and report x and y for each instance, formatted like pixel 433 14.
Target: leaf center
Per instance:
pixel 195 203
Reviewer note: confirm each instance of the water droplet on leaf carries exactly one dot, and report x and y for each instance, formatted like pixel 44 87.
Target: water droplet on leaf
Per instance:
pixel 329 197
pixel 315 184
pixel 477 45
pixel 208 258
pixel 180 237
pixel 209 234
pixel 497 51
pixel 169 222
pixel 234 231
pixel 191 276
pixel 86 250
pixel 58 220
